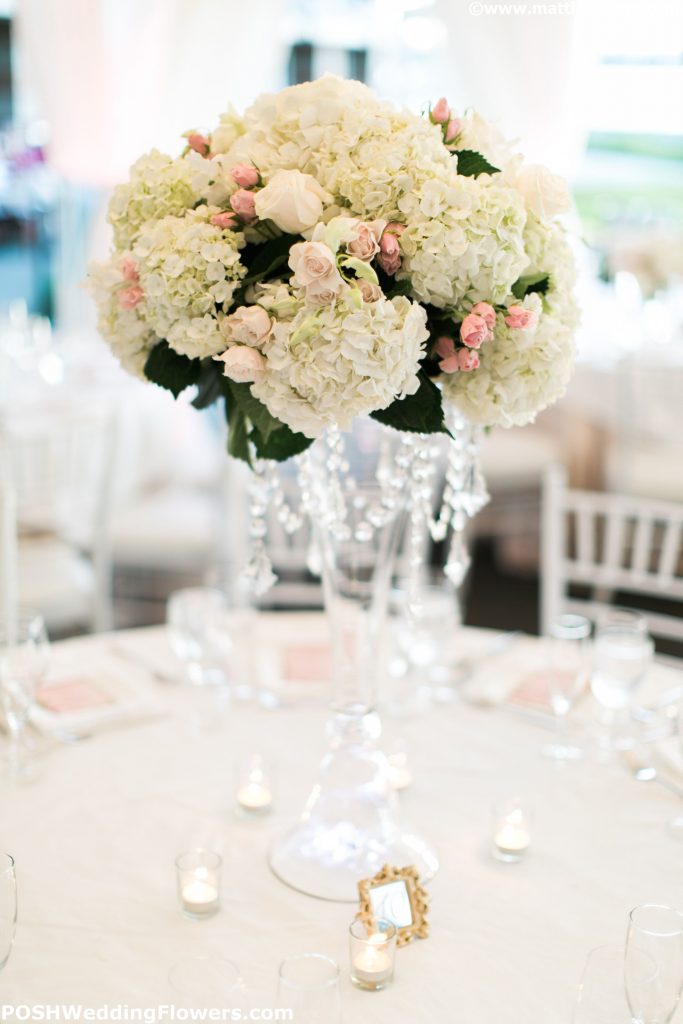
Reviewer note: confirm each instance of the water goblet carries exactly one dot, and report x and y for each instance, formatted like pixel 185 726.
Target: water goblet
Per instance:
pixel 567 646
pixel 653 968
pixel 24 655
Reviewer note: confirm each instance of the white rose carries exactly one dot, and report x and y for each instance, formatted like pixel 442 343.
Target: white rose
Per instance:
pixel 250 325
pixel 365 242
pixel 228 131
pixel 310 262
pixel 544 193
pixel 242 364
pixel 292 200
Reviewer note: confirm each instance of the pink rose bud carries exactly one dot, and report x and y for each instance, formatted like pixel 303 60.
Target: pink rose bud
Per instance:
pixel 440 112
pixel 245 175
pixel 520 318
pixel 242 203
pixel 486 311
pixel 394 228
pixel 199 143
pixel 389 257
pixel 223 220
pixel 474 330
pixel 452 130
pixel 445 347
pixel 128 298
pixel 467 360
pixel 129 270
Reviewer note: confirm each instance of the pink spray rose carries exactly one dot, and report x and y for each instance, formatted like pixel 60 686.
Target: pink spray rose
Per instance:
pixel 365 243
pixel 520 318
pixel 389 257
pixel 445 347
pixel 242 364
pixel 128 298
pixel 440 112
pixel 474 330
pixel 129 270
pixel 370 292
pixel 467 360
pixel 452 130
pixel 243 204
pixel 244 175
pixel 486 311
pixel 199 143
pixel 249 325
pixel 224 220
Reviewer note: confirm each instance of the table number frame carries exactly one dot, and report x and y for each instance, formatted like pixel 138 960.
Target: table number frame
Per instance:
pixel 417 897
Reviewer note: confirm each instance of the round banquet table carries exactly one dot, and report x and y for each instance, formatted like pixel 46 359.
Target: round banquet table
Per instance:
pixel 95 838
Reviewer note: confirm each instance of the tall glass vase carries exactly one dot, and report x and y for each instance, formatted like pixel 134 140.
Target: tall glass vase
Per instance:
pixel 351 825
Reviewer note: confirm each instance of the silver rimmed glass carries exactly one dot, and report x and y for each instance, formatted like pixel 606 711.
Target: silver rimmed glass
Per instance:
pixel 24 657
pixel 567 647
pixel 8 906
pixel 308 985
pixel 653 970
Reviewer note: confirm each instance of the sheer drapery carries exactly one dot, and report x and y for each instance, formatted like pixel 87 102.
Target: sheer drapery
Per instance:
pixel 116 77
pixel 528 67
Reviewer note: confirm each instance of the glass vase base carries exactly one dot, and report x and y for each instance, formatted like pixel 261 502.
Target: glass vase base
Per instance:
pixel 329 862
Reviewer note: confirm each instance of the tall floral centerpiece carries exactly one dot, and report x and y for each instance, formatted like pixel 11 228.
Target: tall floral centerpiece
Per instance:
pixel 325 258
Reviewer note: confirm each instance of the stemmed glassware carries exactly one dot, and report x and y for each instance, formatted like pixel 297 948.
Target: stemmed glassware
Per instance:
pixel 24 656
pixel 622 654
pixel 567 646
pixel 8 906
pixel 653 970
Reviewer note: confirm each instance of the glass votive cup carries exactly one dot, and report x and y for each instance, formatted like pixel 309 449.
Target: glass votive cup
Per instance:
pixel 511 830
pixel 254 786
pixel 308 986
pixel 198 875
pixel 372 947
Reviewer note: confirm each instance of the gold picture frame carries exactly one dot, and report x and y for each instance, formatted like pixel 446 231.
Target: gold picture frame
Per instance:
pixel 405 905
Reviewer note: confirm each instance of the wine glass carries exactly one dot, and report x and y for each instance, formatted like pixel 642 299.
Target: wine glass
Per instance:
pixel 653 971
pixel 308 985
pixel 191 617
pixel 567 646
pixel 600 996
pixel 8 906
pixel 622 654
pixel 24 655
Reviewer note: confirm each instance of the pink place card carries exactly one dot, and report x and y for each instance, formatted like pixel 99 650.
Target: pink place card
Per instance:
pixel 72 695
pixel 306 663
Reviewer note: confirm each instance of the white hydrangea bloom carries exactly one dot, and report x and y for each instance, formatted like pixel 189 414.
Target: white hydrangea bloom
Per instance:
pixel 342 361
pixel 125 330
pixel 524 371
pixel 189 271
pixel 463 242
pixel 483 137
pixel 159 186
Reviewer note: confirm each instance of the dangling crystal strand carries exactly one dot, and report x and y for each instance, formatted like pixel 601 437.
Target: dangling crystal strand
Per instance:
pixel 465 492
pixel 259 572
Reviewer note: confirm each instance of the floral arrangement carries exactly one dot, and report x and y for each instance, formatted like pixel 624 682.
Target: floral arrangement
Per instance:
pixel 328 256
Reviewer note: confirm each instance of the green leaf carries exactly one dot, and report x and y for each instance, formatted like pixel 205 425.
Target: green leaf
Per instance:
pixel 238 436
pixel 533 283
pixel 362 269
pixel 421 413
pixel 269 257
pixel 472 164
pixel 242 397
pixel 209 386
pixel 170 370
pixel 281 444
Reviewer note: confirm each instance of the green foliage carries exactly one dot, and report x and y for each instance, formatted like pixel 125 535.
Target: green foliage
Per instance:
pixel 421 413
pixel 471 164
pixel 170 370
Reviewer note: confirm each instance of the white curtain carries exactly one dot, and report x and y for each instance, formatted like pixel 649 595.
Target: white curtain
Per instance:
pixel 116 77
pixel 527 69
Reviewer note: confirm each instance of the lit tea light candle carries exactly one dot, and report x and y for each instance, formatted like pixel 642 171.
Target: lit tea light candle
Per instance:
pixel 372 954
pixel 254 794
pixel 511 833
pixel 198 874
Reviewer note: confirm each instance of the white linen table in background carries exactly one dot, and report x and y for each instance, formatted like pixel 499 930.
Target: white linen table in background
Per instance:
pixel 95 840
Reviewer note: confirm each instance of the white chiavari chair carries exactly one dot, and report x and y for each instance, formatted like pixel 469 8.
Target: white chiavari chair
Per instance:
pixel 605 543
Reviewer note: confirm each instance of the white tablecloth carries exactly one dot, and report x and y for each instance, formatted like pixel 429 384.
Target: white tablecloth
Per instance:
pixel 96 836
